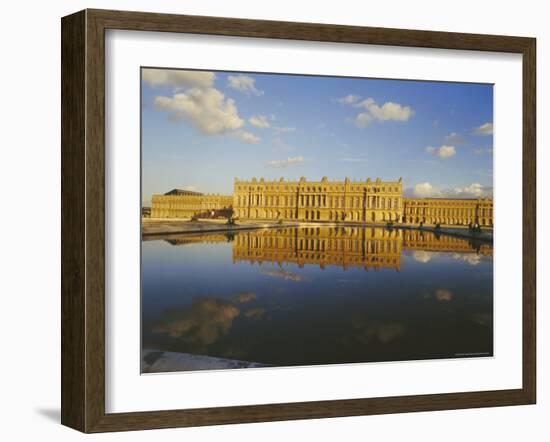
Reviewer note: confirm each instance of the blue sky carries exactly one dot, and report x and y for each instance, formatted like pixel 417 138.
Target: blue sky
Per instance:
pixel 201 129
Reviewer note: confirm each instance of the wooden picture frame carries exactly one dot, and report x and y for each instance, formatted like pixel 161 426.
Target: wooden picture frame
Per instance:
pixel 83 219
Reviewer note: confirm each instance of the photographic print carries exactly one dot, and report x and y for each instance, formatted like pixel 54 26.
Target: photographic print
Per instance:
pixel 300 220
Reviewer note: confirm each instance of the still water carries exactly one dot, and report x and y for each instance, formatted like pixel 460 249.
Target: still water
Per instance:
pixel 318 295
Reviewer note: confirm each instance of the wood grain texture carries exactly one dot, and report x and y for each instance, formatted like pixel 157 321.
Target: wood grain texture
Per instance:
pixel 83 219
pixel 73 210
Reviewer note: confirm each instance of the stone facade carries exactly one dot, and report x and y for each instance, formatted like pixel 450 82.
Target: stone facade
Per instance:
pixel 370 201
pixel 361 201
pixel 451 211
pixel 185 204
pixel 356 201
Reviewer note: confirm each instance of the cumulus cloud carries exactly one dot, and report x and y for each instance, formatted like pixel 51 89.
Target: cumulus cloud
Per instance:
pixel 425 190
pixel 178 79
pixel 259 121
pixel 442 151
pixel 244 84
pixel 388 111
pixel 207 109
pixel 484 129
pixel 247 137
pixel 454 138
pixel 475 190
pixel 428 190
pixel 290 161
pixel 363 119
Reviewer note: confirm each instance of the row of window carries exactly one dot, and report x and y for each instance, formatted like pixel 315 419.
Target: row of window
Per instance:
pixel 448 212
pixel 318 201
pixel 333 188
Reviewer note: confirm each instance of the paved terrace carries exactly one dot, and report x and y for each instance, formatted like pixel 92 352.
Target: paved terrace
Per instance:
pixel 166 226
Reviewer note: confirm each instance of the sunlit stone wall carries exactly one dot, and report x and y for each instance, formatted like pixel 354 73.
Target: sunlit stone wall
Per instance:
pixel 367 201
pixel 186 204
pixel 451 211
pixel 334 201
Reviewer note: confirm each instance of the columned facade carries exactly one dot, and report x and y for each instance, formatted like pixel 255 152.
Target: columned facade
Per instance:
pixel 359 201
pixel 348 201
pixel 451 211
pixel 187 204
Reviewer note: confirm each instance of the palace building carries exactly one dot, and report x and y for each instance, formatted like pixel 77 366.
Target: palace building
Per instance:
pixel 360 201
pixel 369 201
pixel 448 211
pixel 180 203
pixel 357 201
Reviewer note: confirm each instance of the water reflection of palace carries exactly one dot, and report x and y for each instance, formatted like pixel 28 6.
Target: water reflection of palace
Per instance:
pixel 346 247
pixel 430 242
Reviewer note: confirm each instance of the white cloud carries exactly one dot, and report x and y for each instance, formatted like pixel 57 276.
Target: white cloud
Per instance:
pixel 349 99
pixel 484 129
pixel 446 151
pixel 363 119
pixel 259 121
pixel 388 111
pixel 454 138
pixel 175 78
pixel 290 161
pixel 243 83
pixel 425 190
pixel 441 152
pixel 428 190
pixel 247 137
pixel 207 109
pixel 475 190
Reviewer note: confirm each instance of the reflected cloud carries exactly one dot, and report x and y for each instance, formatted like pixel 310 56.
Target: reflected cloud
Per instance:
pixel 443 295
pixel 285 274
pixel 471 258
pixel 383 332
pixel 204 322
pixel 422 256
pixel 245 297
pixel 255 313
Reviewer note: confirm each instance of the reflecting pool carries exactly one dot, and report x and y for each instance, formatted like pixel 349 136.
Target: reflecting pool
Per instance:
pixel 318 295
